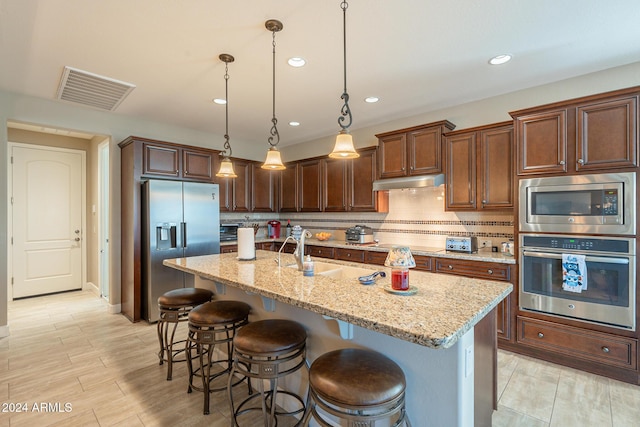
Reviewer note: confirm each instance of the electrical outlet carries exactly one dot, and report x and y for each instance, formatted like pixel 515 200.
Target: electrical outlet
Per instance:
pixel 485 244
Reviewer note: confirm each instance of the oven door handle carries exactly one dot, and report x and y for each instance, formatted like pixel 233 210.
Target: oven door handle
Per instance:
pixel 588 258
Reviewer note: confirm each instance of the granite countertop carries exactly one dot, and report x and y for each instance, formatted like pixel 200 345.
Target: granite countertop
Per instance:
pixel 483 255
pixel 442 310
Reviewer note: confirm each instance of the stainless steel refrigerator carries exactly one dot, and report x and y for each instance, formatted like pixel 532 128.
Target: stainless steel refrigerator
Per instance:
pixel 180 219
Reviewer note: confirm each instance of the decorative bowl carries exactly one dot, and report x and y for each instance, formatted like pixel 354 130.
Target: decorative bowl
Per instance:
pixel 323 235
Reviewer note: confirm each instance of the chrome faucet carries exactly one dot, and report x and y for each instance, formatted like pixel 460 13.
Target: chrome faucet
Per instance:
pixel 299 252
pixel 282 247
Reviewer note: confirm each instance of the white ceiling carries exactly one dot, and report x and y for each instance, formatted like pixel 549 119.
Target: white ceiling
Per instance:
pixel 416 55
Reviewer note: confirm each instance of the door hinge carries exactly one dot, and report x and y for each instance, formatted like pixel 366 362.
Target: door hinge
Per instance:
pixel 12 280
pixel 11 159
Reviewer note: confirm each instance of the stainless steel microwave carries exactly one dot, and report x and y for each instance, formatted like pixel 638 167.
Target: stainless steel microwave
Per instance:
pixel 591 203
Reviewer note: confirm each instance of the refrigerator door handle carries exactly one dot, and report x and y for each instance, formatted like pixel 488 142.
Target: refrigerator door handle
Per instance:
pixel 183 229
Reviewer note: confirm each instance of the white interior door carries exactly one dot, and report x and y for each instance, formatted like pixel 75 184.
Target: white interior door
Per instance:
pixel 47 195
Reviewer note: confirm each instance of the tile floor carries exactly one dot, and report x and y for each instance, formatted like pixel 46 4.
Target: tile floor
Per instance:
pixel 67 349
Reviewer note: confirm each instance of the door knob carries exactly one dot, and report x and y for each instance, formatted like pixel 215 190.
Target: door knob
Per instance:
pixel 77 231
pixel 77 239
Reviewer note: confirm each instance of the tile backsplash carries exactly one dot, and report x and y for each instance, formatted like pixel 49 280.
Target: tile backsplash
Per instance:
pixel 416 217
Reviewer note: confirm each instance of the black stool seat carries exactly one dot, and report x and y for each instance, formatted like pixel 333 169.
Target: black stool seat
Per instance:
pixel 211 324
pixel 356 377
pixel 357 386
pixel 174 307
pixel 272 336
pixel 219 312
pixel 265 351
pixel 184 297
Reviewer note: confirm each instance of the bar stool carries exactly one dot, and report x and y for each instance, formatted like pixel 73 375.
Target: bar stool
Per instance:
pixel 210 324
pixel 174 307
pixel 268 350
pixel 356 386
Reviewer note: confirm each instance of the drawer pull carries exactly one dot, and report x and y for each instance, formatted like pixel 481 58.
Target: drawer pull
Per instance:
pixel 540 335
pixel 605 349
pixel 490 271
pixel 451 267
pixel 348 255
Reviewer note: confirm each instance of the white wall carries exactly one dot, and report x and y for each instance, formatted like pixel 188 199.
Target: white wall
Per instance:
pixel 14 107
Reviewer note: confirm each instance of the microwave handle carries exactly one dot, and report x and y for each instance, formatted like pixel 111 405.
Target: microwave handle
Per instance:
pixel 588 258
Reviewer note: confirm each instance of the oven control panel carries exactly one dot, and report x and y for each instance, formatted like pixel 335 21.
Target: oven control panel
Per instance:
pixel 579 243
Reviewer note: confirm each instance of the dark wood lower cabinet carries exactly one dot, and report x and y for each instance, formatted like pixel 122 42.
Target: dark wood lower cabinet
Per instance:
pixel 578 343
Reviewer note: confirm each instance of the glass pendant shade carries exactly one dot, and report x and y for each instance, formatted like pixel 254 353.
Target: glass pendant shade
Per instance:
pixel 273 161
pixel 344 147
pixel 226 169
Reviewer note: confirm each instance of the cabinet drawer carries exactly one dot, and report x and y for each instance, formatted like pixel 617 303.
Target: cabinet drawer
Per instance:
pixel 423 263
pixel 354 255
pixel 373 257
pixel 320 251
pixel 266 246
pixel 576 342
pixel 481 270
pixel 227 249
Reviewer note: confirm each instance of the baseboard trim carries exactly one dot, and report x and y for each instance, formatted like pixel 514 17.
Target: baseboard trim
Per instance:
pixel 90 286
pixel 114 308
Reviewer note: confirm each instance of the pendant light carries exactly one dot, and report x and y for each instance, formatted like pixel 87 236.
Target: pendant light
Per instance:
pixel 273 160
pixel 226 167
pixel 344 148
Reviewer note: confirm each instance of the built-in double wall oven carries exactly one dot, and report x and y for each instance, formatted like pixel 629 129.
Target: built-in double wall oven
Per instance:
pixel 607 292
pixel 577 247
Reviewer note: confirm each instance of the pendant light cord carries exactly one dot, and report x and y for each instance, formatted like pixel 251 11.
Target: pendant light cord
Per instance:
pixel 274 129
pixel 227 145
pixel 345 111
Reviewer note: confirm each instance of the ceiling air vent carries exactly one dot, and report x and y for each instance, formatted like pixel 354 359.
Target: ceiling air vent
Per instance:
pixel 82 87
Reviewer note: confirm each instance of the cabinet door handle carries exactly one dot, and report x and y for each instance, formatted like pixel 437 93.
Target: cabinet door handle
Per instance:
pixel 490 271
pixel 605 349
pixel 540 335
pixel 402 169
pixel 581 161
pixel 561 162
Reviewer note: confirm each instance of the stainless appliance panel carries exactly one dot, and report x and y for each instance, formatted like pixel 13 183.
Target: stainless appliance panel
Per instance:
pixel 611 267
pixel 201 207
pixel 587 204
pixel 178 220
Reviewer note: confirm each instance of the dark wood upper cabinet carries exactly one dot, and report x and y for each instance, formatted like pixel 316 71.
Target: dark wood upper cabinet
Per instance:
pixel 310 185
pixel 197 165
pixel 348 184
pixel 288 189
pixel 360 177
pixel 263 189
pixel 335 176
pixel 167 160
pixel 593 133
pixel 479 168
pixel 607 134
pixel 412 151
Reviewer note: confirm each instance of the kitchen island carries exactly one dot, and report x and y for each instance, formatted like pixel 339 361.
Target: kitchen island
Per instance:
pixel 429 334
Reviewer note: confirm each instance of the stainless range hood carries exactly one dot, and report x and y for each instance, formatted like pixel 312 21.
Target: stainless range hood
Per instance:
pixel 408 182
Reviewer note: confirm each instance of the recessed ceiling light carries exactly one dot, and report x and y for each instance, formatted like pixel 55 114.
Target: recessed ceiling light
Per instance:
pixel 220 101
pixel 371 99
pixel 296 62
pixel 500 59
pixel 294 123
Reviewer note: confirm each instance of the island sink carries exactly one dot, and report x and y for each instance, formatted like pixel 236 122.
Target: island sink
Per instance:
pixel 337 271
